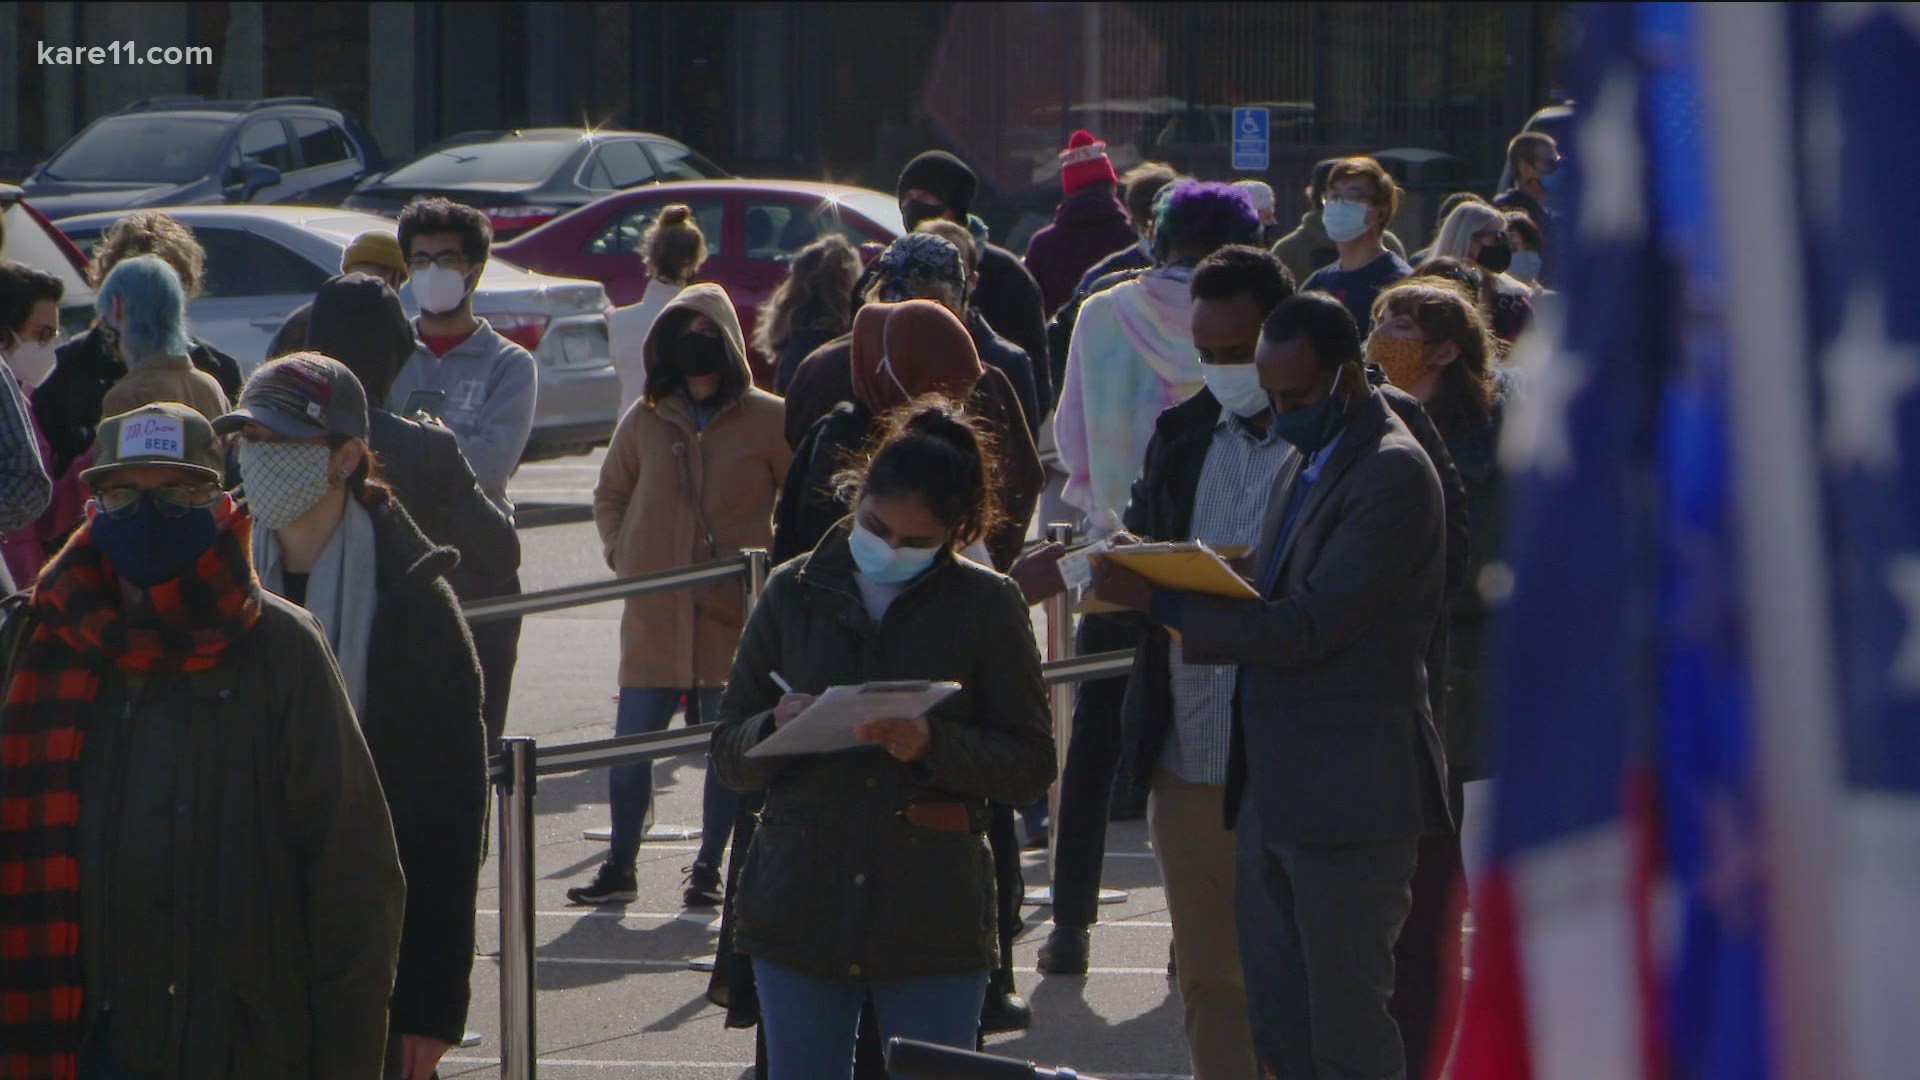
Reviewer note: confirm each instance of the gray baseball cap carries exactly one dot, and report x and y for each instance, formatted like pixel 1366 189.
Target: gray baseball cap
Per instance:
pixel 302 396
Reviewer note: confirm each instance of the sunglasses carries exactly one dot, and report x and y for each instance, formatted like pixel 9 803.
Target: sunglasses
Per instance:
pixel 172 501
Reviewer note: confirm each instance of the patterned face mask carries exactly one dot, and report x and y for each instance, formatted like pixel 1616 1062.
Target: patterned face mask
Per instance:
pixel 284 480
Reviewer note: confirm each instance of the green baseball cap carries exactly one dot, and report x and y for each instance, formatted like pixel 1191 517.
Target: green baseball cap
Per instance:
pixel 167 433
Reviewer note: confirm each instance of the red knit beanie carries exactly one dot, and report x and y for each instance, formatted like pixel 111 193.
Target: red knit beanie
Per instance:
pixel 1084 162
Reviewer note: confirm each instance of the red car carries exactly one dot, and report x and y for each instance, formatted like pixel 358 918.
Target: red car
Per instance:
pixel 753 228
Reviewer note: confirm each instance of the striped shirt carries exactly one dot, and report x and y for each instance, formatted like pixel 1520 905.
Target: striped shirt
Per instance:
pixel 1228 505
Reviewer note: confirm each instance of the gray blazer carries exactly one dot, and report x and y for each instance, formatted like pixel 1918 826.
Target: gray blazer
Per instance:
pixel 1333 734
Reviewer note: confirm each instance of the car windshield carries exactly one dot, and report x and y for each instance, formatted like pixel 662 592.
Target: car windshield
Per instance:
pixel 518 161
pixel 141 149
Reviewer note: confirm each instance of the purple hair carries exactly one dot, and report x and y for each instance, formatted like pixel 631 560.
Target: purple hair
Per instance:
pixel 1196 214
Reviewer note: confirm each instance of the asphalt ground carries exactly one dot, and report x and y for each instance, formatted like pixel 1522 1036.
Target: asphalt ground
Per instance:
pixel 617 997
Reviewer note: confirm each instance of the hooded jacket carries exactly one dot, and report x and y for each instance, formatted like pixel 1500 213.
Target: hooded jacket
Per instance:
pixel 1088 226
pixel 67 404
pixel 1131 359
pixel 672 494
pixel 490 385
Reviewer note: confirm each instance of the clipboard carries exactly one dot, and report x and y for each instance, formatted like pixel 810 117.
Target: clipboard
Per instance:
pixel 1190 566
pixel 826 727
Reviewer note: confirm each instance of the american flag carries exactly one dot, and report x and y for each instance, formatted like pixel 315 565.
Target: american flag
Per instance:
pixel 1706 843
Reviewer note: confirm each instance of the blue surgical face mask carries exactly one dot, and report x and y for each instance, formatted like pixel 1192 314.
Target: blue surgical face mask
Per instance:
pixel 1525 266
pixel 884 564
pixel 1237 388
pixel 1552 181
pixel 1344 220
pixel 146 547
pixel 1313 427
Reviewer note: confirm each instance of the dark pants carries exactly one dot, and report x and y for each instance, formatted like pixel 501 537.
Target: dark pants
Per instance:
pixel 1317 929
pixel 1086 786
pixel 1427 959
pixel 497 644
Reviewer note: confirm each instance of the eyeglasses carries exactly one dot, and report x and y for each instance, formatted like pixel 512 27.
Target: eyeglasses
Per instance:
pixel 455 261
pixel 172 501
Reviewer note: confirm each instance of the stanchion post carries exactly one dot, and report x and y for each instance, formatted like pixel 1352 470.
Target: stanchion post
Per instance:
pixel 759 565
pixel 515 792
pixel 1059 647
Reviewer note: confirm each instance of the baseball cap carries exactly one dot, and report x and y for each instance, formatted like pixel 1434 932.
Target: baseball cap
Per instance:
pixel 302 396
pixel 376 246
pixel 166 433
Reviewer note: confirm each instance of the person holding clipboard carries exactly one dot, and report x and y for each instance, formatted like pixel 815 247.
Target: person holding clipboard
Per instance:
pixel 870 870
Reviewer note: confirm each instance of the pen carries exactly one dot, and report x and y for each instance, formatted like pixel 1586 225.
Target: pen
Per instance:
pixel 785 687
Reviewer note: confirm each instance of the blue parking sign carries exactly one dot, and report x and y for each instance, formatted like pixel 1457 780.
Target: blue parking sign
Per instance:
pixel 1250 139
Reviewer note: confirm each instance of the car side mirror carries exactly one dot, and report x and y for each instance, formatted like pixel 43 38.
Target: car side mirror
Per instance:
pixel 255 177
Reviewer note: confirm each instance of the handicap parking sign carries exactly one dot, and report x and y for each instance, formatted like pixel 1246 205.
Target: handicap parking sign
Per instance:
pixel 1250 139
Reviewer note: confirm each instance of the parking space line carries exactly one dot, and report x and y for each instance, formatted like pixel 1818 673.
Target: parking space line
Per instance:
pixel 714 920
pixel 583 1063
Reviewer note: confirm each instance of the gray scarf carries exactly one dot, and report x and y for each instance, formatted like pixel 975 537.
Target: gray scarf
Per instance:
pixel 341 592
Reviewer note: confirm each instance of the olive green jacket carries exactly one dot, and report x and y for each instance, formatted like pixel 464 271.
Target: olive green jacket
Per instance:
pixel 241 897
pixel 836 882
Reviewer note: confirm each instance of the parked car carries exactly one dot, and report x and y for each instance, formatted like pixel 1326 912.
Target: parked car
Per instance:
pixel 177 151
pixel 265 261
pixel 32 239
pixel 523 179
pixel 753 228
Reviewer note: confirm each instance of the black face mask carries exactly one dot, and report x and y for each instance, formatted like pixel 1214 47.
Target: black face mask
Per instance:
pixel 1496 257
pixel 699 355
pixel 915 212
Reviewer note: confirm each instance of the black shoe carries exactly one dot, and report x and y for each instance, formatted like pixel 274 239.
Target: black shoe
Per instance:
pixel 1004 1011
pixel 1065 952
pixel 610 886
pixel 703 887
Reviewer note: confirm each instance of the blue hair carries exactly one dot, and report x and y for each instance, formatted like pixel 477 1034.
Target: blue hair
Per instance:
pixel 153 305
pixel 1196 214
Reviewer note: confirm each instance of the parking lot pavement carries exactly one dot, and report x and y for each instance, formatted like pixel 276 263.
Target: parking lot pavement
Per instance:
pixel 616 996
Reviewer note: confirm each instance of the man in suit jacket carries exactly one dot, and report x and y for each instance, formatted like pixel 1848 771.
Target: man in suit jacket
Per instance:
pixel 1336 769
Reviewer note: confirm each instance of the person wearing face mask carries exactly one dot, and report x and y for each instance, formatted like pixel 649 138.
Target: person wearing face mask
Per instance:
pixel 331 537
pixel 29 321
pixel 885 845
pixel 1308 247
pixel 1209 469
pixel 691 477
pixel 1431 340
pixel 1534 160
pixel 144 310
pixel 1361 199
pixel 484 383
pixel 1477 233
pixel 201 813
pixel 936 184
pixel 1335 769
pixel 375 253
pixel 1529 254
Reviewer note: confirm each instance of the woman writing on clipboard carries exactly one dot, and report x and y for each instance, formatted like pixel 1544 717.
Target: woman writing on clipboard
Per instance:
pixel 870 870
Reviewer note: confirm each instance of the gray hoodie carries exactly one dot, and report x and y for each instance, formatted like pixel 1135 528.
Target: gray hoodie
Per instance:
pixel 490 385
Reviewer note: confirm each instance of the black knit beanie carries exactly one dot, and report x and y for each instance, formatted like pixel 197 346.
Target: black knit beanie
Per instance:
pixel 944 175
pixel 358 321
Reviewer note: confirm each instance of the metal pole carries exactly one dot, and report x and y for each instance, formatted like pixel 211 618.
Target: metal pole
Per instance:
pixel 514 787
pixel 759 565
pixel 1059 647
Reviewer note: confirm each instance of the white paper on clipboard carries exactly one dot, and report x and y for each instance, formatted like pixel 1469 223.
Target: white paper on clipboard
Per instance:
pixel 827 725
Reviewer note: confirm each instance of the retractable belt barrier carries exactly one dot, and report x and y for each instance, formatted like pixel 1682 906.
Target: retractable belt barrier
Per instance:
pixel 513 771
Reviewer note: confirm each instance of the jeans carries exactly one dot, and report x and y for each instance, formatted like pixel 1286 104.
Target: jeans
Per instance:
pixel 645 709
pixel 810 1022
pixel 1086 785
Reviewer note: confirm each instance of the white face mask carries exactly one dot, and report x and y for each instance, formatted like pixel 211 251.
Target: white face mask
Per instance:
pixel 1344 220
pixel 1525 266
pixel 438 290
pixel 31 361
pixel 1237 386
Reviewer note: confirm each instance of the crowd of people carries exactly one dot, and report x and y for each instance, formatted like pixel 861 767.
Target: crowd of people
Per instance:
pixel 245 724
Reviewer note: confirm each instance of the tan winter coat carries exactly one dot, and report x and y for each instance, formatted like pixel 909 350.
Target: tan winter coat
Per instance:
pixel 165 378
pixel 664 484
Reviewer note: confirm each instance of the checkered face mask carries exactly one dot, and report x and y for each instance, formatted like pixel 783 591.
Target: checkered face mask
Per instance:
pixel 284 480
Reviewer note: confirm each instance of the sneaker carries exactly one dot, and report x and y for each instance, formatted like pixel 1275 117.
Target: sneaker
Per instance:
pixel 703 887
pixel 610 886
